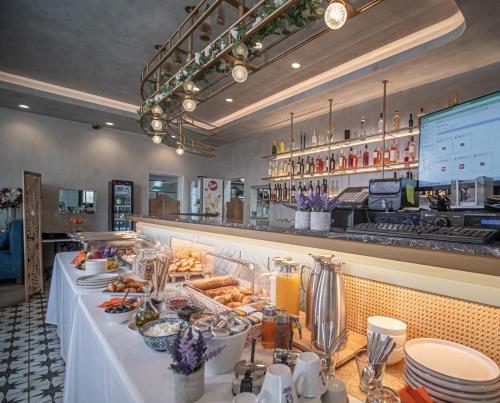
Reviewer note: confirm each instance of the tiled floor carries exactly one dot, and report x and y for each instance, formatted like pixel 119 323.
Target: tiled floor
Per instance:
pixel 31 369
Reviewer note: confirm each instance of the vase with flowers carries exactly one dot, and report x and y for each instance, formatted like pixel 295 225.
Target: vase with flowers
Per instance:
pixel 189 355
pixel 302 211
pixel 10 200
pixel 321 211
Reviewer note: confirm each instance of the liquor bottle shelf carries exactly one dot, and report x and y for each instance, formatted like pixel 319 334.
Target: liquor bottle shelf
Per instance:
pixel 397 134
pixel 398 166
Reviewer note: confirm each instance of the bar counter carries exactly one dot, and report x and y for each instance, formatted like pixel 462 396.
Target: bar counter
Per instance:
pixel 469 257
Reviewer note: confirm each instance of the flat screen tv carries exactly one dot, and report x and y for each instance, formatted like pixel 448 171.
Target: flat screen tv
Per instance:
pixel 460 142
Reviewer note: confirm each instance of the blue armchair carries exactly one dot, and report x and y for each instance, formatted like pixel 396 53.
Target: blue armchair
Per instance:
pixel 12 258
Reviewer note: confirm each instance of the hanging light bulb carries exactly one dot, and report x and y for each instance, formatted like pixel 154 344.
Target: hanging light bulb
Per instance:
pixel 189 86
pixel 240 50
pixel 179 150
pixel 221 17
pixel 336 14
pixel 239 72
pixel 156 124
pixel 157 139
pixel 157 110
pixel 189 104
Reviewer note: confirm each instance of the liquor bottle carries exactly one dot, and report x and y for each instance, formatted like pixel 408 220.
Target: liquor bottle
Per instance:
pixel 347 134
pixel 342 160
pixel 321 139
pixel 412 150
pixel 332 163
pixel 270 169
pixel 420 114
pixel 292 193
pixel 396 121
pixel 299 189
pixel 350 158
pixel 381 123
pixel 366 156
pixel 455 99
pixel 355 159
pixel 274 150
pixel 282 146
pixel 314 140
pixel 294 168
pixel 301 168
pixel 394 153
pixel 292 144
pixel 326 167
pixel 362 128
pixel 387 155
pixel 406 153
pixel 310 188
pixel 318 188
pixel 410 123
pixel 307 168
pixel 285 192
pixel 325 186
pixel 319 164
pixel 274 192
pixel 304 140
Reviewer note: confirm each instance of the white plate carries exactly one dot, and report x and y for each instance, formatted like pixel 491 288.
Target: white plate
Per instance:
pixel 98 277
pixel 452 390
pixel 467 388
pixel 453 361
pixel 92 287
pixel 440 394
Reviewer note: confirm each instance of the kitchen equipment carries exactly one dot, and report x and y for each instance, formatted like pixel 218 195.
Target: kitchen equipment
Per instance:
pixel 329 305
pixel 393 328
pixel 386 194
pixel 311 286
pixel 284 333
pixel 248 376
pixel 308 376
pixel 278 385
pixel 370 373
pixel 268 326
pixel 329 358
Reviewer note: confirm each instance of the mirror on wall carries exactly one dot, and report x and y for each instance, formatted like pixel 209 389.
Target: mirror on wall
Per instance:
pixel 73 201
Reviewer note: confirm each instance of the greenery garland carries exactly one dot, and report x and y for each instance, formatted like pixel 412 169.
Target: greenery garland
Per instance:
pixel 304 13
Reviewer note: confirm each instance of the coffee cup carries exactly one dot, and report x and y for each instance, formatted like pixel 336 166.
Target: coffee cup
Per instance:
pixel 336 391
pixel 278 386
pixel 245 397
pixel 308 376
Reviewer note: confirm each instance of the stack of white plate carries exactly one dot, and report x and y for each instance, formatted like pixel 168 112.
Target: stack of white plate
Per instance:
pixel 96 280
pixel 393 328
pixel 451 372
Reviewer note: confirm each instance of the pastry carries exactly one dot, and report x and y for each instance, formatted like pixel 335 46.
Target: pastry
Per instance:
pixel 222 299
pixel 214 282
pixel 247 300
pixel 220 291
pixel 234 304
pixel 236 295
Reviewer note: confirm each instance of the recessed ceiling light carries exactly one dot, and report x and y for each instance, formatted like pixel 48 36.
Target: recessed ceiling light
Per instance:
pixel 296 65
pixel 110 124
pixel 257 45
pixel 229 99
pixel 22 106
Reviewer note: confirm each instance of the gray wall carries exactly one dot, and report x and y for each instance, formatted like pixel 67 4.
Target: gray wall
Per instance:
pixel 72 155
pixel 243 158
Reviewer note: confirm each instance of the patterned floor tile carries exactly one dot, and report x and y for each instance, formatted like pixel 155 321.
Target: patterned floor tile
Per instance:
pixel 31 368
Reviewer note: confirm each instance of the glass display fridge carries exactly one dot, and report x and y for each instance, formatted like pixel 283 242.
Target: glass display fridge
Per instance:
pixel 207 197
pixel 121 204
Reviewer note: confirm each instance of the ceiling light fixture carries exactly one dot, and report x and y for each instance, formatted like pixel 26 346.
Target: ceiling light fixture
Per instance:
pixel 229 99
pixel 157 139
pixel 156 124
pixel 109 124
pixel 189 104
pixel 195 89
pixel 179 150
pixel 258 45
pixel 239 72
pixel 336 14
pixel 240 50
pixel 157 110
pixel 22 106
pixel 296 65
pixel 189 86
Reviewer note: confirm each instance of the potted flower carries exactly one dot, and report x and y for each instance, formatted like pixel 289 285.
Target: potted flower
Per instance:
pixel 189 354
pixel 10 200
pixel 321 211
pixel 302 211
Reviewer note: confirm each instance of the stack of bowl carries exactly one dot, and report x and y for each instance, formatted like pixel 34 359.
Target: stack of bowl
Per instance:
pixel 393 328
pixel 451 372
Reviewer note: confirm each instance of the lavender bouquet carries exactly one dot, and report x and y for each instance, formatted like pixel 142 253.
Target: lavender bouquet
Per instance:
pixel 189 352
pixel 323 203
pixel 10 198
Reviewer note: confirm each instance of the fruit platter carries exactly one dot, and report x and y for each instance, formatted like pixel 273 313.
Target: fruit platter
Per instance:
pixel 101 254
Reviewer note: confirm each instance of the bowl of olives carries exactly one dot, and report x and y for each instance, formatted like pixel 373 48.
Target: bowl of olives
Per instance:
pixel 120 313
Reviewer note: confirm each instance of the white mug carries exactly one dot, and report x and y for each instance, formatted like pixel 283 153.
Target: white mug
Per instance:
pixel 278 386
pixel 336 392
pixel 308 377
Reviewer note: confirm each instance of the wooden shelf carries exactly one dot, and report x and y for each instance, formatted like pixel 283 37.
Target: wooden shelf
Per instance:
pixel 398 166
pixel 402 133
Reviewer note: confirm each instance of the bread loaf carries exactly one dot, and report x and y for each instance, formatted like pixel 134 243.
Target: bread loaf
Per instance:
pixel 220 291
pixel 214 282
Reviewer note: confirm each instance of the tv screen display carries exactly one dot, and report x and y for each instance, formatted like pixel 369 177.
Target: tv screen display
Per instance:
pixel 460 142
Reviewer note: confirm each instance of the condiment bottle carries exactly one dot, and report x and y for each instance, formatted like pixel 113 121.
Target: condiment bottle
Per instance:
pixel 283 336
pixel 146 311
pixel 268 326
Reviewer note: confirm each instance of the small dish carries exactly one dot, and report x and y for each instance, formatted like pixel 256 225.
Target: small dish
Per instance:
pixel 119 314
pixel 165 342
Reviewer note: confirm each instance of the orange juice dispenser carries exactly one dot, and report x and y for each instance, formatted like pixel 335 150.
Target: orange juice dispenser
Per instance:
pixel 288 287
